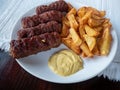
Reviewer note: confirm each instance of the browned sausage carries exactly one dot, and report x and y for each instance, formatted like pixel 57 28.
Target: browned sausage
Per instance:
pixel 49 27
pixel 32 21
pixel 28 46
pixel 57 5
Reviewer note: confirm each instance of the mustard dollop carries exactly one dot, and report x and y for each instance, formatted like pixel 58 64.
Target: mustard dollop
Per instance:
pixel 65 63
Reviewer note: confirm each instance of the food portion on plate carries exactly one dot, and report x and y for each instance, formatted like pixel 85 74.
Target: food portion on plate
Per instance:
pixel 51 26
pixel 28 46
pixel 57 5
pixel 45 17
pixel 65 63
pixel 87 32
pixel 41 31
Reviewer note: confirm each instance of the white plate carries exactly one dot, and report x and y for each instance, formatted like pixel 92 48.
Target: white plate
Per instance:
pixel 37 65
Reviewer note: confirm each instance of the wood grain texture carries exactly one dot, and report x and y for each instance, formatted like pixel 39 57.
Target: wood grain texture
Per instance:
pixel 13 77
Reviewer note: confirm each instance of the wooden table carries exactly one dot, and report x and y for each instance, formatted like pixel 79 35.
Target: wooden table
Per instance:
pixel 13 77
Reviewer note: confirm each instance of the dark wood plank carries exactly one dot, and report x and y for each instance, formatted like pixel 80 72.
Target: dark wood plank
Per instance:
pixel 13 77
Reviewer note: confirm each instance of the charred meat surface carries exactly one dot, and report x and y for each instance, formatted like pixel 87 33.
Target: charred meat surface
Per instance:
pixel 57 5
pixel 35 20
pixel 48 27
pixel 28 46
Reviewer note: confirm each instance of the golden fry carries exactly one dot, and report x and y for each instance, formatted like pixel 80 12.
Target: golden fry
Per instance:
pixel 75 37
pixel 96 12
pixel 105 42
pixel 86 50
pixel 90 31
pixel 95 22
pixel 83 55
pixel 91 41
pixel 81 12
pixel 102 13
pixel 96 17
pixel 95 50
pixel 70 44
pixel 81 32
pixel 65 31
pixel 65 21
pixel 73 22
pixel 98 29
pixel 107 24
pixel 85 18
pixel 72 11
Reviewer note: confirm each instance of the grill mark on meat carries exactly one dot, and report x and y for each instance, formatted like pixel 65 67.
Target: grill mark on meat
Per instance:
pixel 49 27
pixel 32 21
pixel 57 5
pixel 28 46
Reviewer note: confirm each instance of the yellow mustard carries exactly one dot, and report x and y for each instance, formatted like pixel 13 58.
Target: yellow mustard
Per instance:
pixel 65 63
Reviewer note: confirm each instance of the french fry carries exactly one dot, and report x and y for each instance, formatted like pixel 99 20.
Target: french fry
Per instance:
pixel 65 21
pixel 95 50
pixel 73 22
pixel 105 42
pixel 81 12
pixel 107 23
pixel 91 41
pixel 98 29
pixel 78 19
pixel 65 31
pixel 96 17
pixel 70 44
pixel 83 55
pixel 75 37
pixel 85 18
pixel 86 50
pixel 102 13
pixel 96 12
pixel 90 31
pixel 95 22
pixel 81 32
pixel 72 11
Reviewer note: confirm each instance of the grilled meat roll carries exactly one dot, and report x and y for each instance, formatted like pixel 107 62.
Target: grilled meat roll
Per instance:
pixel 48 27
pixel 28 46
pixel 32 21
pixel 57 5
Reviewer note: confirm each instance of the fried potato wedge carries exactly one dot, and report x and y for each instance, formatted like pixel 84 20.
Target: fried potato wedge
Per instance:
pixel 65 31
pixel 102 13
pixel 75 37
pixel 72 11
pixel 95 50
pixel 81 12
pixel 81 32
pixel 105 42
pixel 73 22
pixel 65 21
pixel 90 31
pixel 95 22
pixel 91 41
pixel 85 18
pixel 70 44
pixel 98 29
pixel 86 50
pixel 96 12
